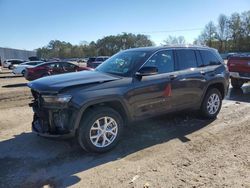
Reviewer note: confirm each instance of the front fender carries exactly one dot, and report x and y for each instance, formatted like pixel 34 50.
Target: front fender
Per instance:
pixel 111 98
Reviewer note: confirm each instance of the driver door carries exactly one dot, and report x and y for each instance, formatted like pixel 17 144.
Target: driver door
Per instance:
pixel 152 94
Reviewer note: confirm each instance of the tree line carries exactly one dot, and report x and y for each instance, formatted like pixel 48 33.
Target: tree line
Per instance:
pixel 229 34
pixel 106 46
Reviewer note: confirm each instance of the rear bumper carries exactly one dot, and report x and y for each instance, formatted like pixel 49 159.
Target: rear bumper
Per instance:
pixel 238 75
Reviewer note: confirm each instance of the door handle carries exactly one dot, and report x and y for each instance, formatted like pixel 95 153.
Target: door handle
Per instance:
pixel 173 76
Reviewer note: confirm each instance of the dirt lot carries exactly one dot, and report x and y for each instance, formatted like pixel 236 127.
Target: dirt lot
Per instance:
pixel 179 150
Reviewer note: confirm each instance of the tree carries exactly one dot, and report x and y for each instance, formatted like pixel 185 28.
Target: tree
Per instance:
pixel 222 31
pixel 108 45
pixel 235 29
pixel 209 33
pixel 171 40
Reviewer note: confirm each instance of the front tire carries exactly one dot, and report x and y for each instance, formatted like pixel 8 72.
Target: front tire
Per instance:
pixel 211 104
pixel 100 129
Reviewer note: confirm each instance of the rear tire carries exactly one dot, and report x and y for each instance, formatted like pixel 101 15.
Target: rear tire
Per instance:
pixel 236 83
pixel 23 72
pixel 211 104
pixel 97 134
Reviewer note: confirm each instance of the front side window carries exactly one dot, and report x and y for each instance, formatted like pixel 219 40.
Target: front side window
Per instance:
pixel 186 59
pixel 209 58
pixel 54 65
pixel 163 60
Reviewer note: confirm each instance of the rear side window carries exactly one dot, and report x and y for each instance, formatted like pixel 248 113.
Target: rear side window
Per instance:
pixel 186 59
pixel 99 59
pixel 68 65
pixel 209 58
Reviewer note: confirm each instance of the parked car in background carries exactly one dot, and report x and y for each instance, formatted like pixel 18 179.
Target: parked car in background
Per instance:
pixel 239 68
pixel 94 62
pixel 134 84
pixel 8 63
pixel 21 68
pixel 90 61
pixel 51 68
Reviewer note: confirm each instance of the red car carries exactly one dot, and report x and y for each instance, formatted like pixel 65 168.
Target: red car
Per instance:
pixel 239 68
pixel 51 68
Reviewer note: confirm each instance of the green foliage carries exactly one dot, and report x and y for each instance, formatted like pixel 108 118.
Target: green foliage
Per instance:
pixel 106 46
pixel 230 34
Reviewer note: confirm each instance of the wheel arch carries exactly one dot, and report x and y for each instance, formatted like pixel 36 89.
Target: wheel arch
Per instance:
pixel 117 104
pixel 218 85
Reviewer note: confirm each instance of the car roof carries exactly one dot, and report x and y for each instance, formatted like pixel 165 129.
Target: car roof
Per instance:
pixel 154 49
pixel 51 62
pixel 14 60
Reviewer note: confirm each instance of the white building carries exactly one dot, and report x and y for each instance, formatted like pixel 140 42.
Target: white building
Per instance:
pixel 9 53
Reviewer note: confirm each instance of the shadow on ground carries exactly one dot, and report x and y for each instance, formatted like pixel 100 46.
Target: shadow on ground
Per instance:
pixel 34 161
pixel 11 76
pixel 15 85
pixel 240 95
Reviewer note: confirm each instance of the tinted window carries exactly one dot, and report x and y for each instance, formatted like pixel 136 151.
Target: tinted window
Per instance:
pixel 16 62
pixel 209 58
pixel 198 58
pixel 123 62
pixel 31 63
pixel 186 59
pixel 99 59
pixel 54 65
pixel 163 60
pixel 68 65
pixel 91 59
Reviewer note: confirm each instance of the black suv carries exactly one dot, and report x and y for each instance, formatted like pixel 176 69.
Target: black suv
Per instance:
pixel 134 84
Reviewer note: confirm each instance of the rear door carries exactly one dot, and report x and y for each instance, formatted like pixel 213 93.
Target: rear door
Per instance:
pixel 187 87
pixel 55 68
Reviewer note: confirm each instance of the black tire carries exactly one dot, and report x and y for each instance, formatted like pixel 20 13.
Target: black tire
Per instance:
pixel 204 107
pixel 83 133
pixel 236 83
pixel 23 72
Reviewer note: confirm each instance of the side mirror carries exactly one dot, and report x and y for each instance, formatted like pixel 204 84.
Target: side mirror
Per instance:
pixel 147 71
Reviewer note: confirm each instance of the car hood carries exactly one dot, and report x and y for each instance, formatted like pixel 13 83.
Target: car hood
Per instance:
pixel 54 84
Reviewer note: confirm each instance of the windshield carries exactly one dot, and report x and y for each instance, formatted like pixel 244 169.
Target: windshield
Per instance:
pixel 122 63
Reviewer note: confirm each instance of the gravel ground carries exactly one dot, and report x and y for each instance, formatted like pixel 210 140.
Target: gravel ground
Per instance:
pixel 180 150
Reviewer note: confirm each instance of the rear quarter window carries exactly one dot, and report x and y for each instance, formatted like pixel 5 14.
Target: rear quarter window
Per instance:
pixel 209 58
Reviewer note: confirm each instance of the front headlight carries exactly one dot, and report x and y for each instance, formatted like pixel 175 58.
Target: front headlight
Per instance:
pixel 56 100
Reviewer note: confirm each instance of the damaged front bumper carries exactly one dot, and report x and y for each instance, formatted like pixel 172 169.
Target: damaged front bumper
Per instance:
pixel 52 121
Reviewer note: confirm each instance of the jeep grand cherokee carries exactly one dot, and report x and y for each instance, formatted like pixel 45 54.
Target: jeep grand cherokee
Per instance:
pixel 94 106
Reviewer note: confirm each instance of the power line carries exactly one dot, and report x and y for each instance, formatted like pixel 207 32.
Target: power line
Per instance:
pixel 169 31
